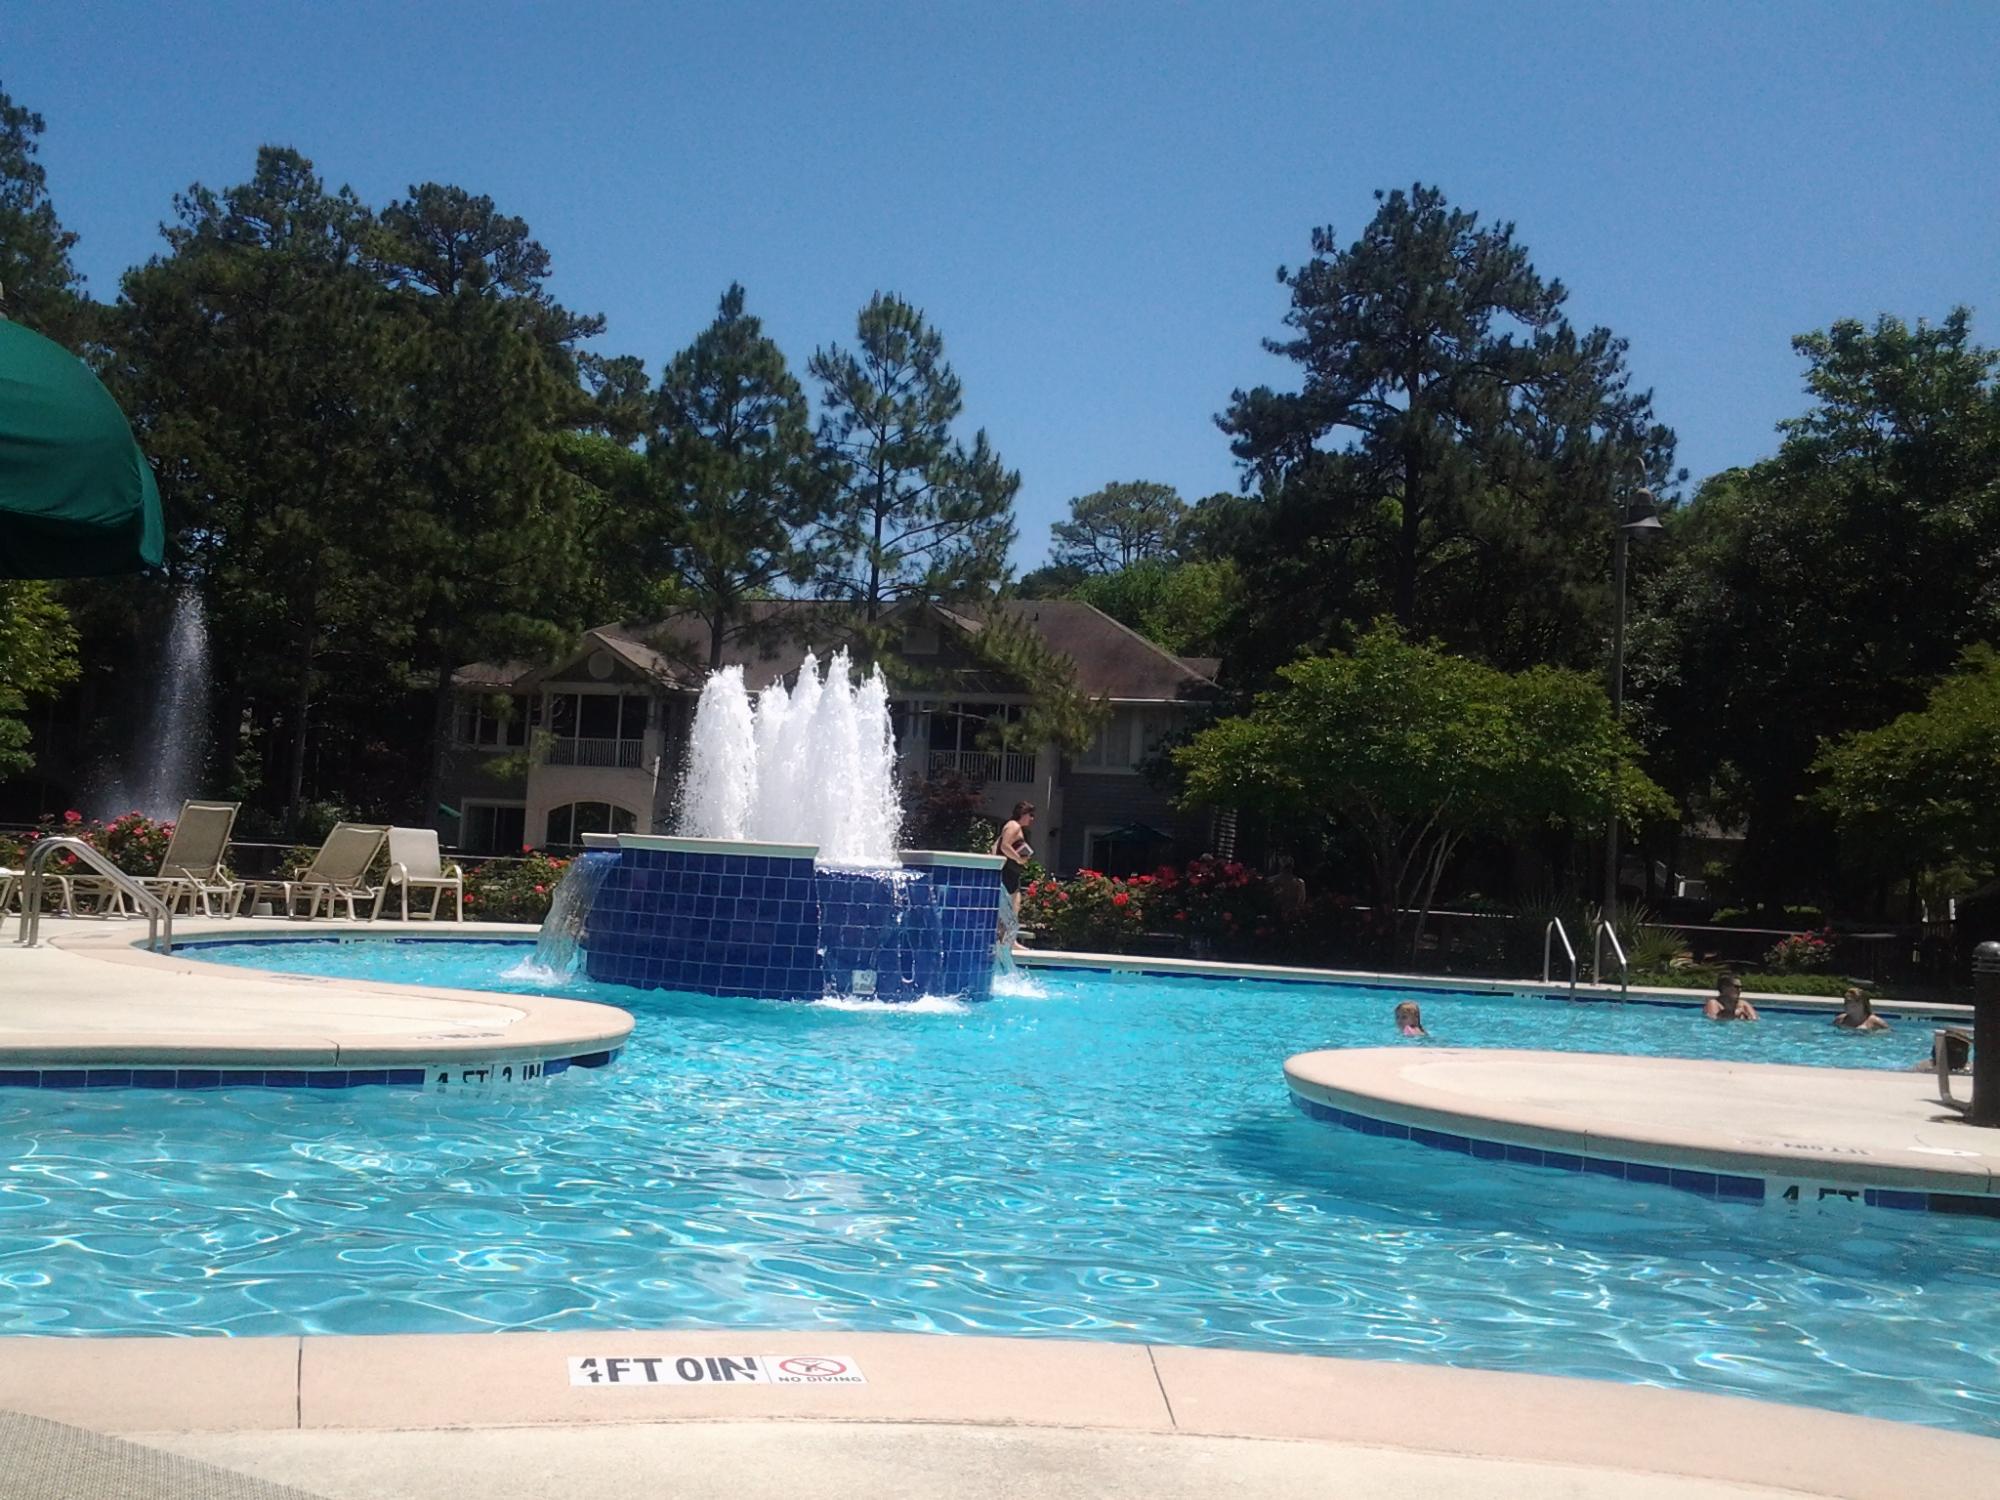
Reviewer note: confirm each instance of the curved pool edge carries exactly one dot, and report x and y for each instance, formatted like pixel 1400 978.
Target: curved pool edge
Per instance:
pixel 497 1380
pixel 92 1008
pixel 1755 1132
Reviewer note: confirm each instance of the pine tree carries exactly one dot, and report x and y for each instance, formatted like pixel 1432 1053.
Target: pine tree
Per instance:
pixel 735 471
pixel 917 514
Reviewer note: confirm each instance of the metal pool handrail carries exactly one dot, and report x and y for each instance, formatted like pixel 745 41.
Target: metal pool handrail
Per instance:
pixel 1605 930
pixel 158 913
pixel 1550 934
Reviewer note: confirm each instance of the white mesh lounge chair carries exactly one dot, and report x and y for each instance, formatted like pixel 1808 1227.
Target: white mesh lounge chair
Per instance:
pixel 338 873
pixel 191 870
pixel 416 864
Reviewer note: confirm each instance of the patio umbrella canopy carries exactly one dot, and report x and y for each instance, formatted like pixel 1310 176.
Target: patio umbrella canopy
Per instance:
pixel 77 497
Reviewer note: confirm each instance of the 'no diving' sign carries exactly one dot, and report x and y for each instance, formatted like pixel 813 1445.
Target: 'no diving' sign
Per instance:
pixel 714 1369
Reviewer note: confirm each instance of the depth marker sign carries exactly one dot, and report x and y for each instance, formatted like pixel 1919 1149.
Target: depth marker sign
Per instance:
pixel 714 1369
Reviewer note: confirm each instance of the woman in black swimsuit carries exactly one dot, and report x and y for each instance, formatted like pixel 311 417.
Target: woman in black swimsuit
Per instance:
pixel 1012 846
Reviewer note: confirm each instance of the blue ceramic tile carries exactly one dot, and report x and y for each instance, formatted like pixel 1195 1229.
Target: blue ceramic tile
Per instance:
pixel 108 1078
pixel 63 1078
pixel 1692 1182
pixel 20 1078
pixel 1639 1171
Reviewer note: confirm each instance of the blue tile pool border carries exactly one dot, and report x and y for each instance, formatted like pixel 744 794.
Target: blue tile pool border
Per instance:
pixel 194 1079
pixel 1725 1187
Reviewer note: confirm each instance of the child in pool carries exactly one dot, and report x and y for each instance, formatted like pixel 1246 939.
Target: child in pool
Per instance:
pixel 1410 1020
pixel 1858 1014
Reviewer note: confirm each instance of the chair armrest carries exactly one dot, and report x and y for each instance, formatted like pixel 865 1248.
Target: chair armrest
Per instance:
pixel 398 874
pixel 453 872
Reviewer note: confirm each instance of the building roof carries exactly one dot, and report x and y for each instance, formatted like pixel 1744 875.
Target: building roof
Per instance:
pixel 1111 661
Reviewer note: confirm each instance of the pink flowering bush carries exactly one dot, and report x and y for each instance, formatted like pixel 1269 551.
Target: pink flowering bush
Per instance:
pixel 133 842
pixel 1089 913
pixel 513 890
pixel 1802 953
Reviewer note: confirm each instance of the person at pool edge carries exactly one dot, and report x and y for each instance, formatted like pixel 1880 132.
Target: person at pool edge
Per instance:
pixel 1727 1003
pixel 1012 845
pixel 1857 1013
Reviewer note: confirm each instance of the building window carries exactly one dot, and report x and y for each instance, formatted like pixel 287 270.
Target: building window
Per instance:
pixel 493 828
pixel 1127 739
pixel 597 729
pixel 493 721
pixel 568 823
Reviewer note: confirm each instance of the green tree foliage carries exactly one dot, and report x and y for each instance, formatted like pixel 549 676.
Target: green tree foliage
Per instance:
pixel 1449 457
pixel 1183 607
pixel 37 656
pixel 1412 749
pixel 1117 526
pixel 1921 794
pixel 1823 590
pixel 253 357
pixel 39 285
pixel 486 540
pixel 916 514
pixel 733 456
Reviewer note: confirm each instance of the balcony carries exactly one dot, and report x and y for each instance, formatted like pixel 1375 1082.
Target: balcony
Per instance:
pixel 1012 766
pixel 619 754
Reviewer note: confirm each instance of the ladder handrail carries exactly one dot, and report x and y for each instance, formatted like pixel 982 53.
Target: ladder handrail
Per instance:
pixel 1555 930
pixel 157 912
pixel 1606 930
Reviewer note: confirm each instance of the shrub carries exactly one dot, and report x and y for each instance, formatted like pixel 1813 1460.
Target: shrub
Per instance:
pixel 1656 948
pixel 1703 977
pixel 1091 913
pixel 134 842
pixel 1802 953
pixel 513 890
pixel 1220 902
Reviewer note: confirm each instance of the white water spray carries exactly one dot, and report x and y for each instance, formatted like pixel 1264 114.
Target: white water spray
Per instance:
pixel 163 768
pixel 815 765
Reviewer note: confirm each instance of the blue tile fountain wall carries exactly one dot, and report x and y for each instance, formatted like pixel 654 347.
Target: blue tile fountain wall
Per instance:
pixel 776 926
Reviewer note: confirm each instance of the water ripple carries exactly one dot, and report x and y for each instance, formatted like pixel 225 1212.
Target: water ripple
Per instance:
pixel 1115 1158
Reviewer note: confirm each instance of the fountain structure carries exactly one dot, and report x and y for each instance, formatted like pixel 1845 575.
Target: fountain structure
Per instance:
pixel 783 879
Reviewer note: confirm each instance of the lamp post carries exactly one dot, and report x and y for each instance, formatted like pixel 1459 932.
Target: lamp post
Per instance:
pixel 1639 518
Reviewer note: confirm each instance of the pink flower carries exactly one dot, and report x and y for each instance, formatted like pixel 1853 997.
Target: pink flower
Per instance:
pixel 72 816
pixel 1121 899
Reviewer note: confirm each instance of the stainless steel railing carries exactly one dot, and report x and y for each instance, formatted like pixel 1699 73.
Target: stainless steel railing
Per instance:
pixel 159 915
pixel 1549 935
pixel 1605 932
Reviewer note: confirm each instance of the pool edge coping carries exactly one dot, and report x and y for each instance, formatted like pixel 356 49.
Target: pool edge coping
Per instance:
pixel 136 1385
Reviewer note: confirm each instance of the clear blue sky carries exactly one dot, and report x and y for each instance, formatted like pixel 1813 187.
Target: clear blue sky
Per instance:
pixel 1090 199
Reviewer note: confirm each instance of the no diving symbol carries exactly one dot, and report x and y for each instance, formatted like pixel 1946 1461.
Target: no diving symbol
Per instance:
pixel 805 1366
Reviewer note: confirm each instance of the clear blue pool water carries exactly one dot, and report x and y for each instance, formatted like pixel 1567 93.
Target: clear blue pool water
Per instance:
pixel 1117 1159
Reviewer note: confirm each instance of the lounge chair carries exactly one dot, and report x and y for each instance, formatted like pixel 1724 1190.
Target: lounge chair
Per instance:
pixel 339 872
pixel 415 864
pixel 191 870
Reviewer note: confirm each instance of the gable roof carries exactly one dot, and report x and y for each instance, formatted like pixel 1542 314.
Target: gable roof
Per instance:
pixel 1111 661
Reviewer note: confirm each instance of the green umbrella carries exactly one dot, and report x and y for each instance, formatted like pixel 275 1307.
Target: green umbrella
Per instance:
pixel 77 498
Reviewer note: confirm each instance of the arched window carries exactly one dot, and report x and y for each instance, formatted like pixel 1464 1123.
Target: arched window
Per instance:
pixel 568 823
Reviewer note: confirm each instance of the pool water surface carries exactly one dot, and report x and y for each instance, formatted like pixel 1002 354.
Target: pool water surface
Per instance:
pixel 1113 1157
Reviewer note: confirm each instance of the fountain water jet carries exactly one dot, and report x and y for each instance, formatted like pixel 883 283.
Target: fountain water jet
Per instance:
pixel 163 766
pixel 783 878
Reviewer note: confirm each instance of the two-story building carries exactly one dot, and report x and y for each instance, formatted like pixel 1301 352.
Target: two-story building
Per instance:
pixel 593 744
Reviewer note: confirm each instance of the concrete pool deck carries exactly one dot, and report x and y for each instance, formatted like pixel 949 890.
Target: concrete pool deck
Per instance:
pixel 89 997
pixel 499 1414
pixel 1868 1128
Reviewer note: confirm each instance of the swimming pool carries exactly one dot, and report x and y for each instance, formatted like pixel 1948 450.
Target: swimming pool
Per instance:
pixel 1117 1159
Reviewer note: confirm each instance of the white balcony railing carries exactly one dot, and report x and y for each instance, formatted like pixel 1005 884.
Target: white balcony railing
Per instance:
pixel 624 754
pixel 987 765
